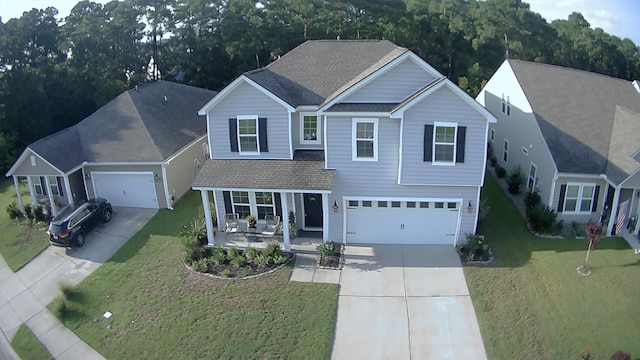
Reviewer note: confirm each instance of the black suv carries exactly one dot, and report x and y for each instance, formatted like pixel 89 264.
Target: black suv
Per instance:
pixel 74 221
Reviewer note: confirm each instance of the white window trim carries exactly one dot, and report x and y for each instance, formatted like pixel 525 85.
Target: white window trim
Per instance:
pixel 578 199
pixel 37 184
pixel 530 179
pixel 505 151
pixel 257 135
pixel 503 107
pixel 433 143
pixel 354 142
pixel 253 204
pixel 234 204
pixel 54 185
pixel 318 127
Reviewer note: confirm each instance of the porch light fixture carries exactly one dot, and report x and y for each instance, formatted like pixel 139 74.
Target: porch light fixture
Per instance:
pixel 469 207
pixel 156 175
pixel 335 206
pixel 87 176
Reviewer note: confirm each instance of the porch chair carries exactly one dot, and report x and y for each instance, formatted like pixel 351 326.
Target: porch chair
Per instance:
pixel 231 224
pixel 272 225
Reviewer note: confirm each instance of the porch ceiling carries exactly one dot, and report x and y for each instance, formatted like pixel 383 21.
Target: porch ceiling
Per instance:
pixel 265 174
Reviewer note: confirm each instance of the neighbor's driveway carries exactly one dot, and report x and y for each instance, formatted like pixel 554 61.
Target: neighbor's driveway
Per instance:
pixel 405 302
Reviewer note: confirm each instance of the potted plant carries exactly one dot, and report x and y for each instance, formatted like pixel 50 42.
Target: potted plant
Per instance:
pixel 251 220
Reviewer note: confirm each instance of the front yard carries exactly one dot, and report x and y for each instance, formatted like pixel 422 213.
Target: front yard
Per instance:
pixel 162 310
pixel 531 303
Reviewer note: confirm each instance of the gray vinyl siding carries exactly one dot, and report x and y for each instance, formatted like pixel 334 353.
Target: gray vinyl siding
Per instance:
pixel 41 168
pixel 442 106
pixel 247 100
pixel 156 169
pixel 295 133
pixel 380 178
pixel 580 218
pixel 394 85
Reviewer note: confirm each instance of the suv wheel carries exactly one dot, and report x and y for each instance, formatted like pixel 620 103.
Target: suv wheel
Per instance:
pixel 106 216
pixel 79 239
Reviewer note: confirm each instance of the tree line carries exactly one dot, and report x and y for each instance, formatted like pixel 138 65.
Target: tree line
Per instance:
pixel 54 72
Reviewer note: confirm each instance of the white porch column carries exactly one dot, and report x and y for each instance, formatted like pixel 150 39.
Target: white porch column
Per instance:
pixel 52 201
pixel 67 187
pixel 17 186
pixel 219 215
pixel 614 211
pixel 325 217
pixel 32 193
pixel 207 216
pixel 285 221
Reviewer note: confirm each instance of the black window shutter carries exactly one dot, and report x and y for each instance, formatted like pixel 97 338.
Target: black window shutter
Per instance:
pixel 262 130
pixel 43 183
pixel 59 181
pixel 563 189
pixel 428 143
pixel 227 201
pixel 233 134
pixel 278 200
pixel 462 135
pixel 594 205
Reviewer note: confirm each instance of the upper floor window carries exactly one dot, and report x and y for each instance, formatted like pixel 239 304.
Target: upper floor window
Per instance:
pixel 506 105
pixel 444 142
pixel 505 151
pixel 578 198
pixel 248 134
pixel 365 139
pixel 309 129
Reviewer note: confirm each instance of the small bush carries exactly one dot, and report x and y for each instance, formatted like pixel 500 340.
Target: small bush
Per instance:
pixel 14 211
pixel 493 161
pixel 326 250
pixel 532 198
pixel 573 231
pixel 67 290
pixel 280 259
pixel 476 249
pixel 225 273
pixel 541 218
pixel 62 309
pixel 196 229
pixel 187 259
pixel 200 265
pixel 238 261
pixel 41 213
pixel 28 212
pixel 218 256
pixel 273 249
pixel 251 253
pixel 233 253
pixel 500 172
pixel 515 180
pixel 262 259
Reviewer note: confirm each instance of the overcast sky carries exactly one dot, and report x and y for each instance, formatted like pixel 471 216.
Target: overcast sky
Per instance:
pixel 617 17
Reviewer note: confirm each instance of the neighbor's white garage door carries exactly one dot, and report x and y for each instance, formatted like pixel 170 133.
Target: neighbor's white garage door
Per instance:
pixel 402 222
pixel 126 189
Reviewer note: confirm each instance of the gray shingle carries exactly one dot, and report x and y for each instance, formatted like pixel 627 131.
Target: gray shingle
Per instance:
pixel 362 107
pixel 575 111
pixel 265 174
pixel 626 127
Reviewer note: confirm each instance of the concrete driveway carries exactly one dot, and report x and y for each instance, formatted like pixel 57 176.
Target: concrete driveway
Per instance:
pixel 25 294
pixel 405 302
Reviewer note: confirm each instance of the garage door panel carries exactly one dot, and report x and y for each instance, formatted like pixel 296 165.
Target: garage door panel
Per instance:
pixel 421 223
pixel 126 190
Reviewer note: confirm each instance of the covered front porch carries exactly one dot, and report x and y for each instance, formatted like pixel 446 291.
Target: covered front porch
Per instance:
pixel 295 191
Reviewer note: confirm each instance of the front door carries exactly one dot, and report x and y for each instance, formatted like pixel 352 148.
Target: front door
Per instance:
pixel 312 210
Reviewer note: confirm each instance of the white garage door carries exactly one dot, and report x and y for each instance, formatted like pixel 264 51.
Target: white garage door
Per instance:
pixel 402 222
pixel 126 189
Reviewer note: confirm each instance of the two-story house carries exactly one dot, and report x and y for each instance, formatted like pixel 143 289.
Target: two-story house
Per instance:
pixel 573 134
pixel 361 140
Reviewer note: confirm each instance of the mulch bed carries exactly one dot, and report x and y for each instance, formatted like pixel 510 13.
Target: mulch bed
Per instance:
pixel 228 270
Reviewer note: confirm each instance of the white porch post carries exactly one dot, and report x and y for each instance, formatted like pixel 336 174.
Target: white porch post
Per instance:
pixel 17 185
pixel 219 215
pixel 32 193
pixel 67 187
pixel 207 216
pixel 52 202
pixel 614 211
pixel 325 217
pixel 285 221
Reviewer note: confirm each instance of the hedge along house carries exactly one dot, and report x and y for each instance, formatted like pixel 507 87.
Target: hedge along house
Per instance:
pixel 142 149
pixel 362 140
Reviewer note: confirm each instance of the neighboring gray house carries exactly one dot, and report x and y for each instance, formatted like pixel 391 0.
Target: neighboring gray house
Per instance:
pixel 362 140
pixel 142 149
pixel 573 133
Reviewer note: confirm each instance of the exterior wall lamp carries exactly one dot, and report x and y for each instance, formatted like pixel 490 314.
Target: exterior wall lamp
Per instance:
pixel 469 207
pixel 335 206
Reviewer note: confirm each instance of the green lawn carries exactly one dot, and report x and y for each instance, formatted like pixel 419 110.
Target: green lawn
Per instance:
pixel 532 304
pixel 20 242
pixel 162 310
pixel 27 346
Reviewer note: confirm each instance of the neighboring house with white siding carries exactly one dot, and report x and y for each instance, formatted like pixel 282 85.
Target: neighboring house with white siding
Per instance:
pixel 142 149
pixel 574 135
pixel 362 140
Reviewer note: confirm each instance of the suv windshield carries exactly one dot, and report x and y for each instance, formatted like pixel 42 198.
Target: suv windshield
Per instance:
pixel 58 228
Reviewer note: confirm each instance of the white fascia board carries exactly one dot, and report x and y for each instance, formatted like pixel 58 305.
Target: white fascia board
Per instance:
pixel 155 163
pixel 292 191
pixel 309 108
pixel 399 112
pixel 359 114
pixel 227 90
pixel 27 152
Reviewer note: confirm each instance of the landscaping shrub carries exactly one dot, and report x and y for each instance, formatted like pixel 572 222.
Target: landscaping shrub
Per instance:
pixel 476 249
pixel 515 180
pixel 262 259
pixel 500 171
pixel 62 309
pixel 493 161
pixel 238 261
pixel 28 212
pixel 327 250
pixel 218 256
pixel 572 231
pixel 532 198
pixel 195 229
pixel 66 290
pixel 541 218
pixel 200 265
pixel 251 253
pixel 14 211
pixel 272 249
pixel 42 213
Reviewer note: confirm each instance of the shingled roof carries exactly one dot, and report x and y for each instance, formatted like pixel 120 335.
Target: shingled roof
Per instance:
pixel 577 112
pixel 147 124
pixel 319 70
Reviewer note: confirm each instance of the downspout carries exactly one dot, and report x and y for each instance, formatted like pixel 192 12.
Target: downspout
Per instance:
pixel 552 193
pixel 614 210
pixel 166 188
pixel 67 187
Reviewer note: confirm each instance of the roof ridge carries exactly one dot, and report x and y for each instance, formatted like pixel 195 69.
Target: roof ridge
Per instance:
pixel 566 68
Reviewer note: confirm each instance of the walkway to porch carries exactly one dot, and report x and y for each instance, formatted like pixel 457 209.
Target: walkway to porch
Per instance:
pixel 632 240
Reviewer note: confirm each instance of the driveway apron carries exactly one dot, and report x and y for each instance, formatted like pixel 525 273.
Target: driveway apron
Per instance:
pixel 405 302
pixel 25 294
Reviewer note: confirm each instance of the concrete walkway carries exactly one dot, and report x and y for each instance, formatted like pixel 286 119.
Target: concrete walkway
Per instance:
pixel 405 302
pixel 25 294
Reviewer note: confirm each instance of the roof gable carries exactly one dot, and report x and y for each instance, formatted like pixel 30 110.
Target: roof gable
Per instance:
pixel 575 111
pixel 626 127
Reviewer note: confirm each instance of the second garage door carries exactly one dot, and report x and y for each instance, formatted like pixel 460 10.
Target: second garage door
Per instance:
pixel 126 189
pixel 402 222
